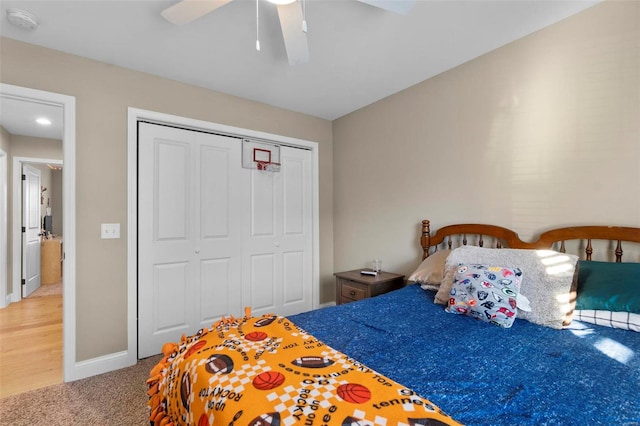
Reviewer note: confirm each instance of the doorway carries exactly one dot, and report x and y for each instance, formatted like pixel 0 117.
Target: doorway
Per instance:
pixel 12 292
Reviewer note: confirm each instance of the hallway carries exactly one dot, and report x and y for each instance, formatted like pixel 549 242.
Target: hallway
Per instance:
pixel 31 342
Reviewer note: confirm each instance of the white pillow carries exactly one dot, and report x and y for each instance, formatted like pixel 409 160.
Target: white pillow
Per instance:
pixel 623 320
pixel 548 282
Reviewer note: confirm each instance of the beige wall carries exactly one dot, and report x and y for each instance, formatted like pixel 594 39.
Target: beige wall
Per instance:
pixel 103 93
pixel 539 133
pixel 5 140
pixel 27 146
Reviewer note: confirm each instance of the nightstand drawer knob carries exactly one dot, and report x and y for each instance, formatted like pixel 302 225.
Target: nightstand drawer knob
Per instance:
pixel 352 293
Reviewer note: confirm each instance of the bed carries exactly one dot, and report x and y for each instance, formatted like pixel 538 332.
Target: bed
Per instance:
pixel 571 355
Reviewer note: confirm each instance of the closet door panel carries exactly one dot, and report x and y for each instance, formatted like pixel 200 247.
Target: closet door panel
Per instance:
pixel 263 204
pixel 217 294
pixel 188 215
pixel 281 220
pixel 171 167
pixel 296 231
pixel 170 296
pixel 264 288
pixel 220 217
pixel 293 277
pixel 215 192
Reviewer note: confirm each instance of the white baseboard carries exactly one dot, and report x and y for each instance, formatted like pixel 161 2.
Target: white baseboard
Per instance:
pixel 325 305
pixel 99 365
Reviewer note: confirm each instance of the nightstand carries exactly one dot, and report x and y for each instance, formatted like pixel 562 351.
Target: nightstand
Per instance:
pixel 352 285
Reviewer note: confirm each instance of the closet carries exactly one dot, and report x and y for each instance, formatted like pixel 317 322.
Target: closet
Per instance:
pixel 215 237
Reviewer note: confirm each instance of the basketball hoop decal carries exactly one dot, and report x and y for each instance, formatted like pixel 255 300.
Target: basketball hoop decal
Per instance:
pixel 260 156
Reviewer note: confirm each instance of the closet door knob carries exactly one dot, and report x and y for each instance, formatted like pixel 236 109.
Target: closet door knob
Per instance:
pixel 197 250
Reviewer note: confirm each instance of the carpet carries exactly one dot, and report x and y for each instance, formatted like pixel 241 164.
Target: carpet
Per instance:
pixel 48 290
pixel 115 398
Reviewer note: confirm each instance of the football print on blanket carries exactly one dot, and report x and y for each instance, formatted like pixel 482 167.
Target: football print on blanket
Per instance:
pixel 268 419
pixel 219 364
pixel 312 362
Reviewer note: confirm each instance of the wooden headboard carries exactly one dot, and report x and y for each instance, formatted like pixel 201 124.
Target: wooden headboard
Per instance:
pixel 502 237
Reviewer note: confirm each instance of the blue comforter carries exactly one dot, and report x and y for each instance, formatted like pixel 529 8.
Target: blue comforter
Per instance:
pixel 481 374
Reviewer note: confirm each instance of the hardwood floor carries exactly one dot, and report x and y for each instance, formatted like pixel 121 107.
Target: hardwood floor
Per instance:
pixel 30 344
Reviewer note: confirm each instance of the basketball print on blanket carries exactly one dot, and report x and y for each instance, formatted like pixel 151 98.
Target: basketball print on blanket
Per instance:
pixel 268 372
pixel 268 380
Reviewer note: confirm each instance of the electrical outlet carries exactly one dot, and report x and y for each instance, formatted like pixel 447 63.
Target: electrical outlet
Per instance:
pixel 109 230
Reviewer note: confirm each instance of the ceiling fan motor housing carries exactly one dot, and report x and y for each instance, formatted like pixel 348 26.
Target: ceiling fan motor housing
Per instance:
pixel 22 18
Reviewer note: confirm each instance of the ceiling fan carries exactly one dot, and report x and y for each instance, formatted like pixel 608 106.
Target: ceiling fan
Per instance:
pixel 290 12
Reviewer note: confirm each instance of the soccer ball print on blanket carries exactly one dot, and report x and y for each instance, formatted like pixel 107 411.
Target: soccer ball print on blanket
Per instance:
pixel 486 293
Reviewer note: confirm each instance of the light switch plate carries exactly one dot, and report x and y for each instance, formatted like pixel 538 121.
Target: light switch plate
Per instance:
pixel 109 230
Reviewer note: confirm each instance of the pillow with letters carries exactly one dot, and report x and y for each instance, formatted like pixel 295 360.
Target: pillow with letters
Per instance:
pixel 486 293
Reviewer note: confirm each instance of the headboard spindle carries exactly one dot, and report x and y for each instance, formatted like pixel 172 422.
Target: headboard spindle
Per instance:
pixel 589 249
pixel 619 252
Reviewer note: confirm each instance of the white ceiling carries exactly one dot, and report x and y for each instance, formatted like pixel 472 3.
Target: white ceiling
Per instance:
pixel 18 117
pixel 358 53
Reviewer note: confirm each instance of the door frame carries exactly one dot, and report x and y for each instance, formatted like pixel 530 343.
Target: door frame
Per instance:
pixel 135 115
pixel 4 223
pixel 16 179
pixel 68 104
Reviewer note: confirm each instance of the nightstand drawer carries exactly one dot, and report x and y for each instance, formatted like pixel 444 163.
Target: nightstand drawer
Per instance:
pixel 353 293
pixel 353 285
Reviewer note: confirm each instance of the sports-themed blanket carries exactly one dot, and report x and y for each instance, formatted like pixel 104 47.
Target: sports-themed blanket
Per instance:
pixel 267 371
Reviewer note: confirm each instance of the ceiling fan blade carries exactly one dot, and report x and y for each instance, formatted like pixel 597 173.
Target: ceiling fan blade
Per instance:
pixel 397 6
pixel 186 11
pixel 295 40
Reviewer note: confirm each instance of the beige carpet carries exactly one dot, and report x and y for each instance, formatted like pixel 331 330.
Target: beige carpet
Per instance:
pixel 48 290
pixel 116 398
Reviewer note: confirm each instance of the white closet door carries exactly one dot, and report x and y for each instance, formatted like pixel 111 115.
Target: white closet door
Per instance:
pixel 277 249
pixel 214 237
pixel 189 235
